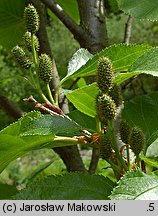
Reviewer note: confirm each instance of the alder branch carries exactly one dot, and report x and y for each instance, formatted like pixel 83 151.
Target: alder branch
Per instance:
pixel 128 30
pixel 76 30
pixel 69 155
pixel 94 160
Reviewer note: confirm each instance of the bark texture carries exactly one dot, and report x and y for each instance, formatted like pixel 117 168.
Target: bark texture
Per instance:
pixel 92 17
pixel 91 33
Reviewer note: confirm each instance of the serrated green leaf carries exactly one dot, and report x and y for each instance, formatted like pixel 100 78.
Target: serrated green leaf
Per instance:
pixel 74 186
pixel 136 185
pixel 11 22
pixel 35 131
pixel 18 126
pixel 12 147
pixel 122 57
pixel 84 99
pixel 7 191
pixel 78 59
pixel 143 112
pixel 142 9
pixel 34 123
pixel 147 63
pixel 48 124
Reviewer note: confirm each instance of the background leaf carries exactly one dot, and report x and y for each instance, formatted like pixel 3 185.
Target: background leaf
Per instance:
pixel 8 191
pixel 122 57
pixel 82 187
pixel 143 112
pixel 84 99
pixel 113 5
pixel 136 185
pixel 11 22
pixel 142 9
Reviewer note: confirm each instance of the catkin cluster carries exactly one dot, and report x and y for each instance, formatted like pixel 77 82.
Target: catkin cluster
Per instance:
pixel 108 98
pixel 133 136
pixel 44 65
pixel 105 147
pixel 106 101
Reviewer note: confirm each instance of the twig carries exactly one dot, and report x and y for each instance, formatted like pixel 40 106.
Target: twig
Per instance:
pixel 128 30
pixel 47 107
pixel 75 29
pixel 94 160
pixel 95 151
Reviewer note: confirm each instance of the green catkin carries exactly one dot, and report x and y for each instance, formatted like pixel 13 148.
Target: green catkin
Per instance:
pixel 106 108
pixel 28 41
pixel 31 19
pixel 105 74
pixel 136 140
pixel 21 57
pixel 105 147
pixel 124 130
pixel 115 94
pixel 45 68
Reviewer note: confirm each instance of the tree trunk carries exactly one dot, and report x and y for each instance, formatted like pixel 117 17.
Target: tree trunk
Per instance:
pixel 92 20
